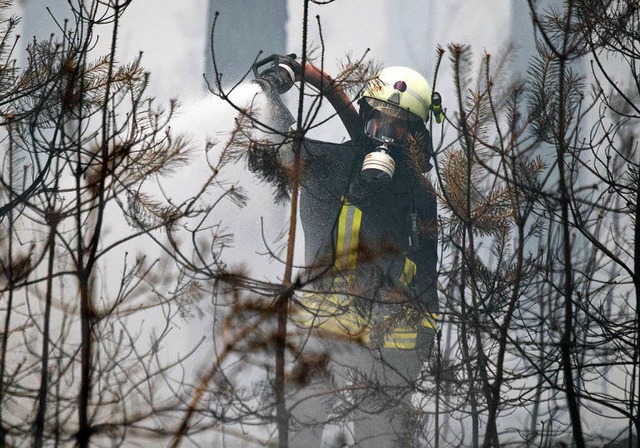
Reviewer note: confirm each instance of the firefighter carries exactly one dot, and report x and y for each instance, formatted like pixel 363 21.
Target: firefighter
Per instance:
pixel 369 222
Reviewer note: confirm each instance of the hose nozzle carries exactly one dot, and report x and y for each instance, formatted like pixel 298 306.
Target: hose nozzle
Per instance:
pixel 280 75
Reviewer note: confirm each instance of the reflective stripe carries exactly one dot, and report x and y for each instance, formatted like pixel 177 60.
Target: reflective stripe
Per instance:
pixel 409 272
pixel 416 96
pixel 337 314
pixel 430 321
pixel 348 236
pixel 332 313
pixel 401 337
pixel 404 336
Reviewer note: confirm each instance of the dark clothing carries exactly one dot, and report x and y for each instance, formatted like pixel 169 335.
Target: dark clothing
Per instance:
pixel 388 239
pixel 370 255
pixel 377 302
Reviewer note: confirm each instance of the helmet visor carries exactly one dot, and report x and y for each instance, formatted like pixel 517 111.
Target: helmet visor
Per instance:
pixel 388 122
pixel 385 128
pixel 392 110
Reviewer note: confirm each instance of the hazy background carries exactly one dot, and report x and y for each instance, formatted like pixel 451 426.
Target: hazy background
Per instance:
pixel 175 40
pixel 174 36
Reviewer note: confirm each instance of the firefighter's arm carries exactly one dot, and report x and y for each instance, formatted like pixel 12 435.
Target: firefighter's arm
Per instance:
pixel 334 93
pixel 282 72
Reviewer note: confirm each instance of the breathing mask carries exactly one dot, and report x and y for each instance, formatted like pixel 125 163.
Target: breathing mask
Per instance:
pixel 387 130
pixel 396 102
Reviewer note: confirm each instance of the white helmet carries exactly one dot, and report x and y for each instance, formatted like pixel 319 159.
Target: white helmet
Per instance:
pixel 394 104
pixel 401 92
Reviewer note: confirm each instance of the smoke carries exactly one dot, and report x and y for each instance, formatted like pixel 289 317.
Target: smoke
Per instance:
pixel 256 227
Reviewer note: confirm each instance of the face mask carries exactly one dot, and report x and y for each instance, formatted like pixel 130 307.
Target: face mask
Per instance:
pixel 385 128
pixel 378 166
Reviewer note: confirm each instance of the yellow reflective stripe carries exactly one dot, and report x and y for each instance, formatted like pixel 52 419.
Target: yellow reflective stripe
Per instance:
pixel 334 314
pixel 342 328
pixel 328 306
pixel 324 310
pixel 401 339
pixel 404 345
pixel 404 336
pixel 430 321
pixel 288 138
pixel 355 235
pixel 341 322
pixel 342 225
pixel 401 345
pixel 349 223
pixel 408 273
pixel 336 324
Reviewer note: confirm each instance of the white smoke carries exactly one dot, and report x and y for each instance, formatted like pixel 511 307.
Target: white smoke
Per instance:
pixel 208 122
pixel 257 227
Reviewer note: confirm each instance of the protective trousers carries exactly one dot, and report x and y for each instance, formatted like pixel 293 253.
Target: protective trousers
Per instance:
pixel 365 400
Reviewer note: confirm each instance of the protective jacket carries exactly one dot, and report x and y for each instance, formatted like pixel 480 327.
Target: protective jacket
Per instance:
pixel 370 251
